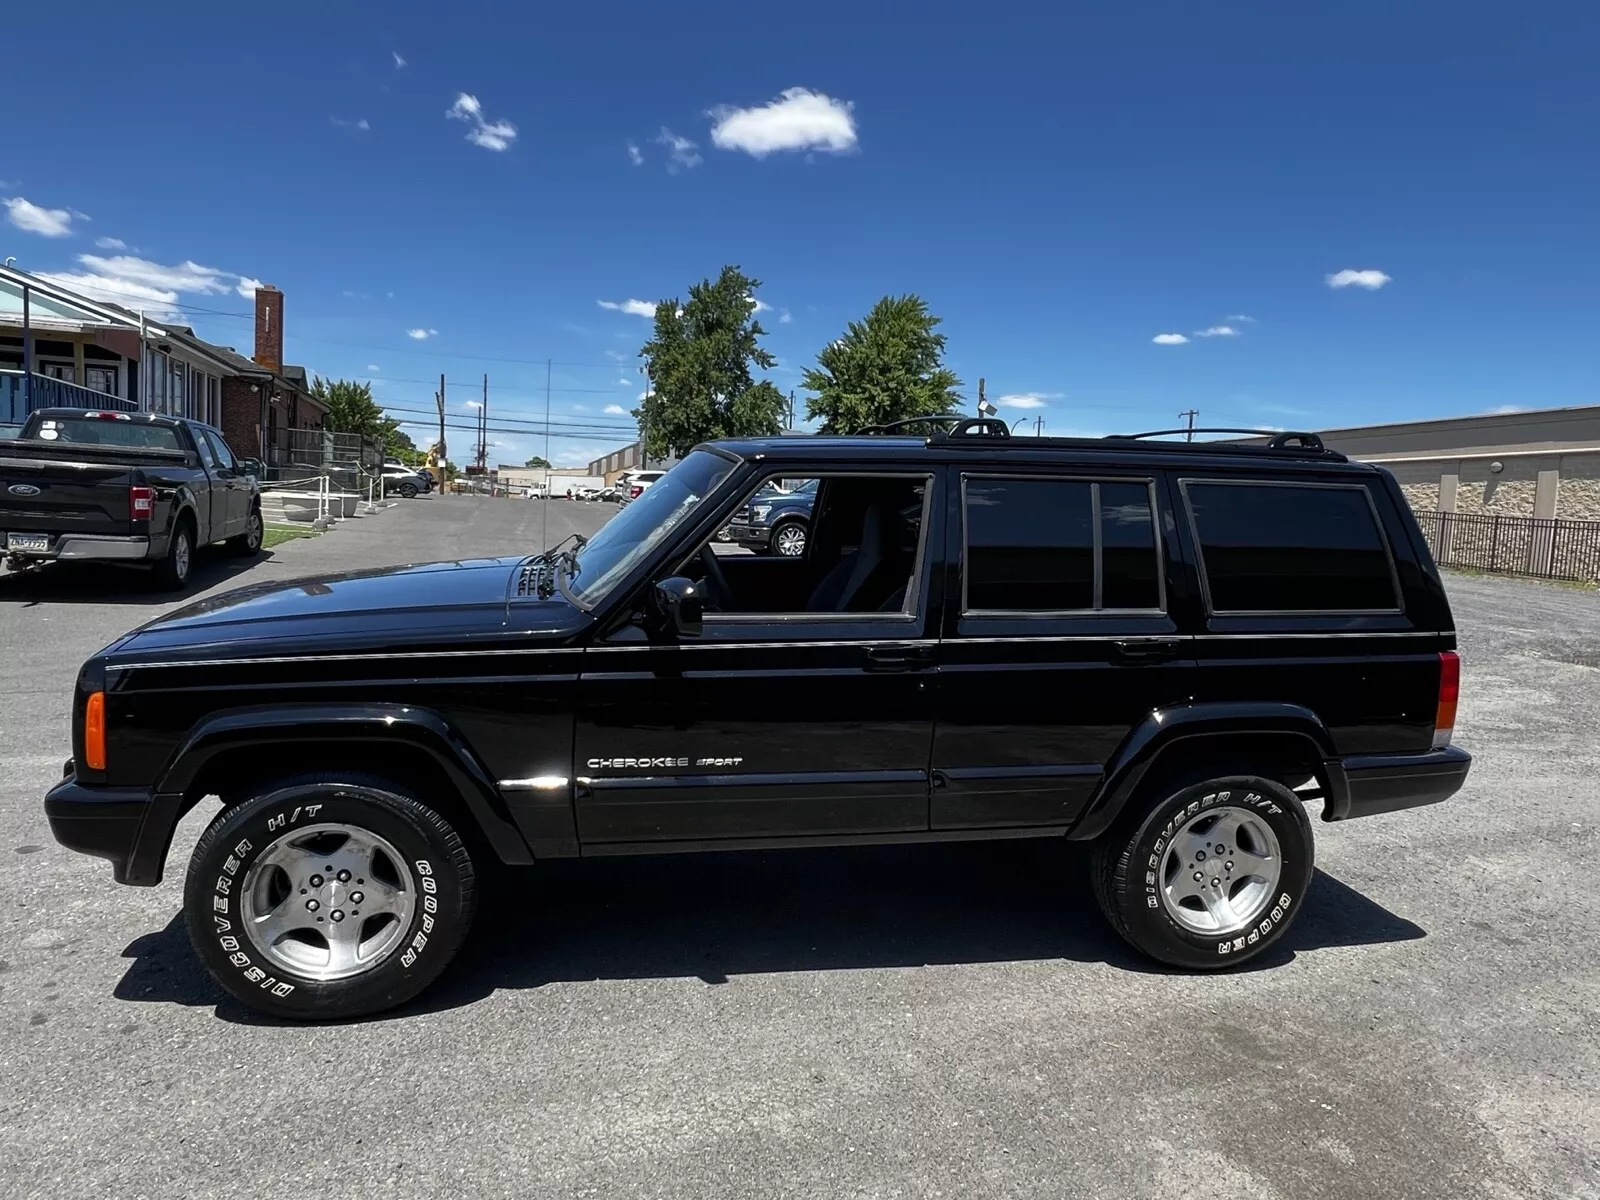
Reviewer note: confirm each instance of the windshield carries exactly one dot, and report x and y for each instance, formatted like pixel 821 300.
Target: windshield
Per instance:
pixel 637 530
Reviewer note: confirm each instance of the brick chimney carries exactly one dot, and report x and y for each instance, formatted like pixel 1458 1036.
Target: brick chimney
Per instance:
pixel 269 327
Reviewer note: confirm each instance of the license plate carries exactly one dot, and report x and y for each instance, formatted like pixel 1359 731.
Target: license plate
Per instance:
pixel 27 541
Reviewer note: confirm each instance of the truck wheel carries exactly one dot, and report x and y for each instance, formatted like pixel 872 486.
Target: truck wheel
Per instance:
pixel 248 543
pixel 323 901
pixel 172 572
pixel 789 540
pixel 1209 877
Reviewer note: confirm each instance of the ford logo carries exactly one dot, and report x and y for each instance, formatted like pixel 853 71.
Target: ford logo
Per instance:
pixel 23 489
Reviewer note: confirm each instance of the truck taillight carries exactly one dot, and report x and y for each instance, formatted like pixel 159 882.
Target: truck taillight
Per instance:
pixel 636 491
pixel 1444 718
pixel 94 732
pixel 141 503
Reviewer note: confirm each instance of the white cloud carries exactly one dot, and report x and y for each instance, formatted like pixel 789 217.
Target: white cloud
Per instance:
pixel 639 308
pixel 361 124
pixel 110 243
pixel 1242 318
pixel 761 306
pixel 1027 399
pixel 799 119
pixel 1369 279
pixel 1169 339
pixel 374 367
pixel 580 408
pixel 784 317
pixel 615 410
pixel 641 397
pixel 473 404
pixel 419 334
pixel 398 61
pixel 1217 331
pixel 681 152
pixel 46 222
pixel 635 155
pixel 139 283
pixel 624 382
pixel 1504 409
pixel 491 135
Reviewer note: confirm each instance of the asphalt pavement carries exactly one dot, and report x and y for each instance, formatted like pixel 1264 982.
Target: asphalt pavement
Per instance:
pixel 952 1020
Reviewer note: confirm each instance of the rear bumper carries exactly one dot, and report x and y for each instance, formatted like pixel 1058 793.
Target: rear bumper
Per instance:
pixel 79 546
pixel 1380 783
pixel 124 825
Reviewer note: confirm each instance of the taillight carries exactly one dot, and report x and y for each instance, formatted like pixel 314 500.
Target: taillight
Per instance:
pixel 1444 718
pixel 141 503
pixel 636 491
pixel 94 732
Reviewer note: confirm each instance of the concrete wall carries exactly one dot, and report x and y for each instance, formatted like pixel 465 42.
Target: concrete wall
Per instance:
pixel 1532 485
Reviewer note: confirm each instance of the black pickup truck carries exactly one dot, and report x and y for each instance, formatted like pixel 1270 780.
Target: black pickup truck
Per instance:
pixel 1165 650
pixel 124 487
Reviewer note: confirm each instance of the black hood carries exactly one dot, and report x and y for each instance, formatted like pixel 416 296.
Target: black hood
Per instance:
pixel 422 603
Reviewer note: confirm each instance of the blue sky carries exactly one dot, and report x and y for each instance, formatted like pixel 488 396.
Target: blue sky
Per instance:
pixel 1063 183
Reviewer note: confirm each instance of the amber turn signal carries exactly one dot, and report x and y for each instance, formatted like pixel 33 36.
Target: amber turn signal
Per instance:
pixel 94 732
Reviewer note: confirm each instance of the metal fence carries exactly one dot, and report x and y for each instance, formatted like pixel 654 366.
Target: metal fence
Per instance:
pixel 1547 548
pixel 21 395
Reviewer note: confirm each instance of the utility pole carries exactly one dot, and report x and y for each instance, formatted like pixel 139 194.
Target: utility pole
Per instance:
pixel 982 402
pixel 483 430
pixel 444 454
pixel 644 418
pixel 1038 426
pixel 1190 413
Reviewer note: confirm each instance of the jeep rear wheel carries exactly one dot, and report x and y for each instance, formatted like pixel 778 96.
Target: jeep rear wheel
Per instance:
pixel 1210 876
pixel 322 900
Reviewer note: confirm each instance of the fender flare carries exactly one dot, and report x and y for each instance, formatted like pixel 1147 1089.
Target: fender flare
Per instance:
pixel 1170 728
pixel 265 726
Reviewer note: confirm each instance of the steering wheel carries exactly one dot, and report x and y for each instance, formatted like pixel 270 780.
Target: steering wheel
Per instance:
pixel 718 592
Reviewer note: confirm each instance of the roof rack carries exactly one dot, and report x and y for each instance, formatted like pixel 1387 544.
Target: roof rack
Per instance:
pixel 1276 440
pixel 960 426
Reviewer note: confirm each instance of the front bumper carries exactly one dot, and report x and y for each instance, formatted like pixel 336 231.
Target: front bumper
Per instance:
pixel 81 547
pixel 1380 783
pixel 131 827
pixel 754 537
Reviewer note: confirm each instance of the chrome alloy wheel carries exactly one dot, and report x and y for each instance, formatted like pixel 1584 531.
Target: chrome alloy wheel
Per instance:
pixel 328 901
pixel 1221 871
pixel 790 541
pixel 180 555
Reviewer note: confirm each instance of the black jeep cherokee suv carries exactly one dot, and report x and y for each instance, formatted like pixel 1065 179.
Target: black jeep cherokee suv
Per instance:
pixel 1161 648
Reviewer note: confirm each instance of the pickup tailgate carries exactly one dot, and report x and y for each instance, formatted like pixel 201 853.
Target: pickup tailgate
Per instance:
pixel 68 489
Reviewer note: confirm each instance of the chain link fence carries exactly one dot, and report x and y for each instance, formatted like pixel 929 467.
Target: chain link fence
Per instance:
pixel 1541 547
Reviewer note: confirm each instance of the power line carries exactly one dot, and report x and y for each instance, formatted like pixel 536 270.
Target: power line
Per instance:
pixel 613 425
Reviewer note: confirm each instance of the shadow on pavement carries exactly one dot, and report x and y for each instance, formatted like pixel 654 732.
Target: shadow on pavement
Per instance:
pixel 113 583
pixel 714 916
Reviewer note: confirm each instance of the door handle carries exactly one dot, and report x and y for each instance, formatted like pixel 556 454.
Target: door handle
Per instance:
pixel 899 656
pixel 1156 649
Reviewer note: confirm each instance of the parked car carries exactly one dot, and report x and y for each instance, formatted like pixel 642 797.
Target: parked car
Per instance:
pixel 637 483
pixel 79 485
pixel 1165 650
pixel 402 480
pixel 776 521
pixel 587 493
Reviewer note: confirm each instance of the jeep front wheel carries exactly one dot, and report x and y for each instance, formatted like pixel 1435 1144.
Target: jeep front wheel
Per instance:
pixel 1210 876
pixel 324 900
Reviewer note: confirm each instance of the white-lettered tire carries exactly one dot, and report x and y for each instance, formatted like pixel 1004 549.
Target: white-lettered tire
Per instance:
pixel 324 900
pixel 1211 875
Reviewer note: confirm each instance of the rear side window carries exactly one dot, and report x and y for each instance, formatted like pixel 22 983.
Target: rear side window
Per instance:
pixel 1285 547
pixel 1060 545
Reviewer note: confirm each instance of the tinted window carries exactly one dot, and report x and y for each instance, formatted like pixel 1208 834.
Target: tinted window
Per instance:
pixel 208 453
pixel 220 448
pixel 1128 546
pixel 1030 544
pixel 103 431
pixel 1287 548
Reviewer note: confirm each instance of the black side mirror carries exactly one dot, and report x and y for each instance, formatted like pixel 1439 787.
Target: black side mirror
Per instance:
pixel 252 466
pixel 680 603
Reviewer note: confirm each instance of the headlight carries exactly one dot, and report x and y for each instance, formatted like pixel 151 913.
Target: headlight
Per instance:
pixel 758 513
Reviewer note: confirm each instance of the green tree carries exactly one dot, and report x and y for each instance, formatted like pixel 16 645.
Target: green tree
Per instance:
pixel 886 367
pixel 699 361
pixel 351 408
pixel 398 444
pixel 537 461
